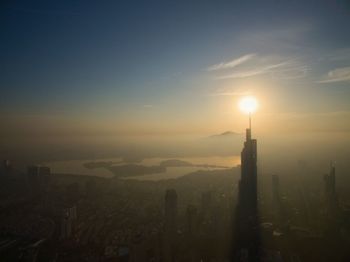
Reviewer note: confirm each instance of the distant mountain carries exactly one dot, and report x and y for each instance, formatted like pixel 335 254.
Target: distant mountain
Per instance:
pixel 227 134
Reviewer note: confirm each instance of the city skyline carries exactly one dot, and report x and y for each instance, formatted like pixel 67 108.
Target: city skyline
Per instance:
pixel 175 131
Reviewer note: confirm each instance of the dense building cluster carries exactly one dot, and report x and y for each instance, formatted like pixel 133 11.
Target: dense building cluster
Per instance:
pixel 233 214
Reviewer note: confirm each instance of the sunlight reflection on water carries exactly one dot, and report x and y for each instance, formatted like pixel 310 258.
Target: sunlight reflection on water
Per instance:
pixel 76 167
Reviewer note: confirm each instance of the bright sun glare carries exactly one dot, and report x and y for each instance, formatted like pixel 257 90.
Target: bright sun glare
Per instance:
pixel 248 104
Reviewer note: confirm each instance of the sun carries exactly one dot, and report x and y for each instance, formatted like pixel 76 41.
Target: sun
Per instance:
pixel 248 104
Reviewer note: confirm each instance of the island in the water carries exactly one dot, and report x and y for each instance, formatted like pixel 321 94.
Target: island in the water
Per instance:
pixel 182 163
pixel 129 170
pixel 135 170
pixel 98 164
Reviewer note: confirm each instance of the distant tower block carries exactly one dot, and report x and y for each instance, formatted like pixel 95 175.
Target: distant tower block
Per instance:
pixel 6 168
pixel 330 192
pixel 275 189
pixel 192 220
pixel 330 181
pixel 207 203
pixel 38 177
pixel 170 210
pixel 68 222
pixel 170 226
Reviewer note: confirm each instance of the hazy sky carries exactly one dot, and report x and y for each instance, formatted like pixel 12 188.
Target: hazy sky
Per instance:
pixel 172 67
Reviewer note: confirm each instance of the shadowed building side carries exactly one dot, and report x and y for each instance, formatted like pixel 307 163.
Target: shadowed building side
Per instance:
pixel 246 232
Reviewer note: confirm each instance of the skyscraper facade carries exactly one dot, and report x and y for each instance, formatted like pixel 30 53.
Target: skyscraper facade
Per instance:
pixel 170 211
pixel 275 189
pixel 247 223
pixel 248 182
pixel 330 192
pixel 170 226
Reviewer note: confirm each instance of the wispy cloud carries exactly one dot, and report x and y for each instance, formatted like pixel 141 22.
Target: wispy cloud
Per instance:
pixel 296 72
pixel 231 64
pixel 232 93
pixel 277 66
pixel 337 75
pixel 253 72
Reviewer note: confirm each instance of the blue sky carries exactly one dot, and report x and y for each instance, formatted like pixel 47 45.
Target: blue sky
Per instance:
pixel 158 66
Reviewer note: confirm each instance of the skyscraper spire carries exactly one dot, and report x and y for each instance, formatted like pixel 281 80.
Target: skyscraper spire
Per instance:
pixel 249 130
pixel 250 120
pixel 247 235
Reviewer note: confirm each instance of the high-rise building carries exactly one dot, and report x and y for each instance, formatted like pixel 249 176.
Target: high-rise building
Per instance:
pixel 207 202
pixel 170 225
pixel 192 220
pixel 170 210
pixel 330 192
pixel 193 233
pixel 39 174
pixel 6 168
pixel 38 178
pixel 45 175
pixel 332 210
pixel 275 189
pixel 247 237
pixel 329 180
pixel 248 182
pixel 68 222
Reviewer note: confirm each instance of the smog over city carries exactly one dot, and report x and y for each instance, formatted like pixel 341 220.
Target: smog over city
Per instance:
pixel 175 131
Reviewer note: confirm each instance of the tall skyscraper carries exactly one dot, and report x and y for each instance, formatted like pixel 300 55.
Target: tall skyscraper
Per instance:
pixel 39 174
pixel 192 220
pixel 192 234
pixel 170 226
pixel 207 201
pixel 6 168
pixel 275 189
pixel 170 210
pixel 68 221
pixel 330 192
pixel 247 237
pixel 38 178
pixel 329 180
pixel 248 182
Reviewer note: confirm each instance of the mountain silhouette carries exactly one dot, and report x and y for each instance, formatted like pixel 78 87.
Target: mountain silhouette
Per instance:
pixel 227 134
